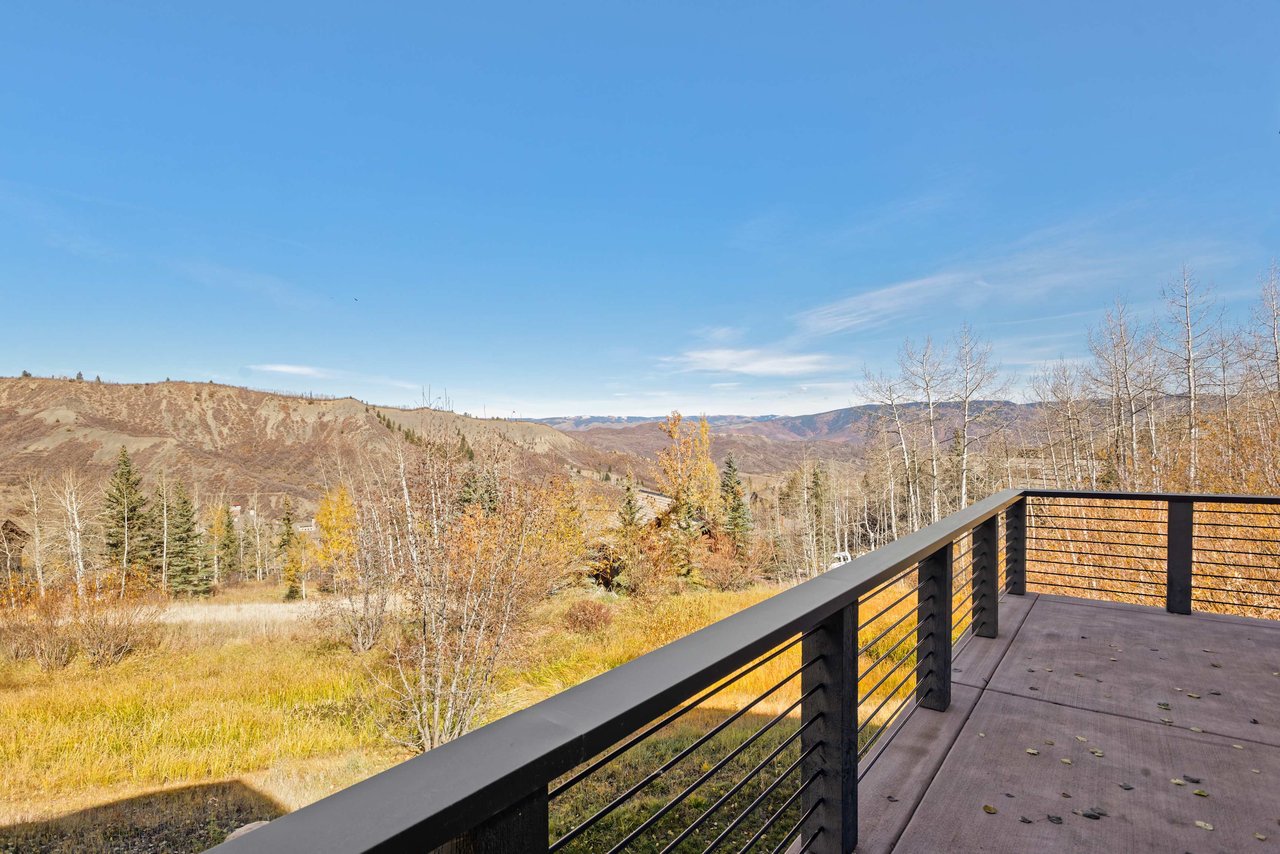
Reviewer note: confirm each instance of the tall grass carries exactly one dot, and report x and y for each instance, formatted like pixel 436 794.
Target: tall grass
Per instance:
pixel 180 714
pixel 242 694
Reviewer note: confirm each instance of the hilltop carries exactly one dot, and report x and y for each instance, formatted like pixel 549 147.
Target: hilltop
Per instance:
pixel 225 438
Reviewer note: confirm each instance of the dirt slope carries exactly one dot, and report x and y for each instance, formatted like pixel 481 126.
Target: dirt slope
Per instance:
pixel 227 439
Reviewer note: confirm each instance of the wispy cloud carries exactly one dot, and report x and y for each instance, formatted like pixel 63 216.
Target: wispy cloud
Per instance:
pixel 318 373
pixel 753 362
pixel 877 307
pixel 1084 260
pixel 720 334
pixel 262 285
pixel 294 371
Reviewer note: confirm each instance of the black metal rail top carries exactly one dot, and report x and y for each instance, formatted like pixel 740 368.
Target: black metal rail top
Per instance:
pixel 428 800
pixel 1161 497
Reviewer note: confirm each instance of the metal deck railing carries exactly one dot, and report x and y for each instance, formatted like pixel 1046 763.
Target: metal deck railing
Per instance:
pixel 753 733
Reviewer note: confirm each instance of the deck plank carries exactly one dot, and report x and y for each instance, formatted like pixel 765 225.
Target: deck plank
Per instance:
pixel 1127 661
pixel 1068 667
pixel 1155 815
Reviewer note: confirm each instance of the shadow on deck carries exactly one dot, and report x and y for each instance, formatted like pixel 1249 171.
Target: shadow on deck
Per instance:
pixel 1148 728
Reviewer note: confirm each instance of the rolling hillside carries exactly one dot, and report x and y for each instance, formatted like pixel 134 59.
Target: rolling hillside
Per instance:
pixel 224 438
pixel 238 442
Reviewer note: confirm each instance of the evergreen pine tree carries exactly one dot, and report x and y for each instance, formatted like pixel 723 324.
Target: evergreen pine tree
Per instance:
pixel 227 544
pixel 287 550
pixel 186 562
pixel 125 516
pixel 737 515
pixel 629 512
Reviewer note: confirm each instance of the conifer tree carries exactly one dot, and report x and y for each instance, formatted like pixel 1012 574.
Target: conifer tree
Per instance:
pixel 629 512
pixel 226 545
pixel 287 549
pixel 125 517
pixel 737 515
pixel 186 566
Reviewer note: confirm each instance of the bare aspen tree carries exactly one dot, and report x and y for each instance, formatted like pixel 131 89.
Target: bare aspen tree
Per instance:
pixel 71 497
pixel 975 376
pixel 475 547
pixel 1271 315
pixel 888 393
pixel 1192 317
pixel 1267 334
pixel 926 373
pixel 255 517
pixel 35 510
pixel 1223 361
pixel 11 545
pixel 1117 351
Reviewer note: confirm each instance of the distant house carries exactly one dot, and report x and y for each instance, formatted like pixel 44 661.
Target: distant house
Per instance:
pixel 12 541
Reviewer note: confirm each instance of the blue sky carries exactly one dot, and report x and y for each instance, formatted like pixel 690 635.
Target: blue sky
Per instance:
pixel 615 207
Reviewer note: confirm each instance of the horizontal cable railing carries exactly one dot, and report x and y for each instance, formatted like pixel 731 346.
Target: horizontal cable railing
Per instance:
pixel 1235 566
pixel 752 734
pixel 1211 553
pixel 1097 548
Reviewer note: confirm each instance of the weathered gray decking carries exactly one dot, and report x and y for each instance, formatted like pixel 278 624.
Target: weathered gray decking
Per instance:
pixel 1070 675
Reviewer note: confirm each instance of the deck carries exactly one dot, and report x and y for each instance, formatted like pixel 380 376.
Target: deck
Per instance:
pixel 1120 701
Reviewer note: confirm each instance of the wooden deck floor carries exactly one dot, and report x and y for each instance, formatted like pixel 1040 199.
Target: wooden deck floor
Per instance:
pixel 1143 724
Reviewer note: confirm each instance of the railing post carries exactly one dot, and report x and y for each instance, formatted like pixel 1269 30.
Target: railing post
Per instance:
pixel 835 732
pixel 521 827
pixel 986 578
pixel 933 632
pixel 1015 547
pixel 1179 542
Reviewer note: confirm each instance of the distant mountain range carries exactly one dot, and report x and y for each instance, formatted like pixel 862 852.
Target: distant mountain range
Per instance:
pixel 573 423
pixel 849 425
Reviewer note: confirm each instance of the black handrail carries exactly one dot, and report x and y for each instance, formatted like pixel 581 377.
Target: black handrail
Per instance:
pixel 489 787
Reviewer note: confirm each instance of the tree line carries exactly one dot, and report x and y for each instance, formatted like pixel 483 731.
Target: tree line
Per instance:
pixel 124 539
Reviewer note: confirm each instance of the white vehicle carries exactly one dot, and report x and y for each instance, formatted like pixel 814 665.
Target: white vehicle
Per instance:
pixel 839 558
